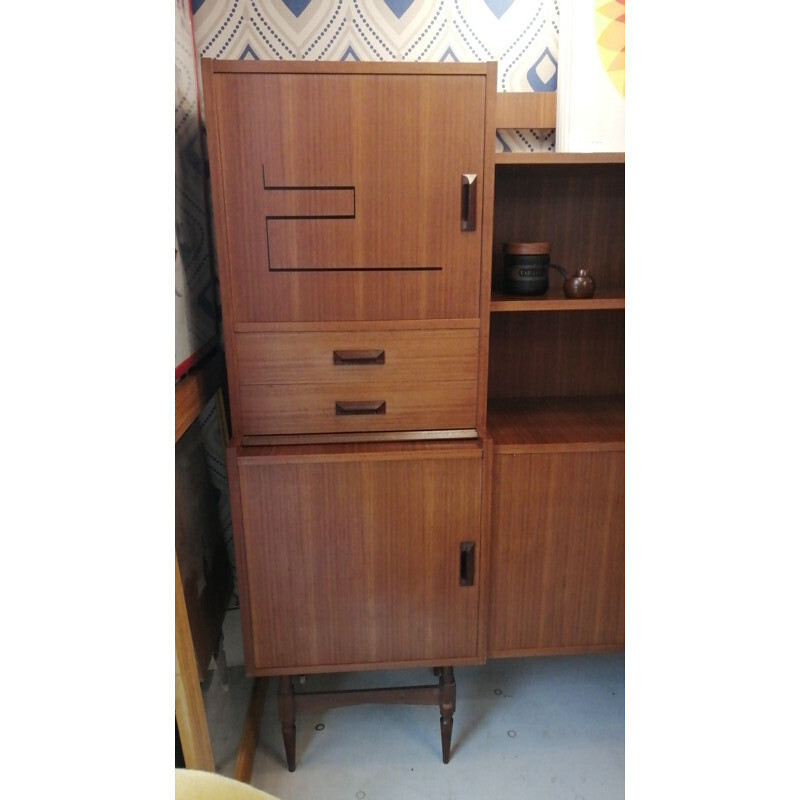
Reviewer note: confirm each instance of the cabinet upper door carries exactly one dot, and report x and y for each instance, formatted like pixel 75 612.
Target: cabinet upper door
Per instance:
pixel 349 195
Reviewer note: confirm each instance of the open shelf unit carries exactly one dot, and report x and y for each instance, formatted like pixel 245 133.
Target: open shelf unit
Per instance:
pixel 576 202
pixel 554 300
pixel 556 408
pixel 558 424
pixel 559 158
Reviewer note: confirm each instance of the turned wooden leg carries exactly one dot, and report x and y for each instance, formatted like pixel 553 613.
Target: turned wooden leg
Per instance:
pixel 447 707
pixel 286 714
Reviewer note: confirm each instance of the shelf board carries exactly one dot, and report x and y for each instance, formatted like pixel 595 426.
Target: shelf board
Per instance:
pixel 559 158
pixel 554 300
pixel 557 424
pixel 525 110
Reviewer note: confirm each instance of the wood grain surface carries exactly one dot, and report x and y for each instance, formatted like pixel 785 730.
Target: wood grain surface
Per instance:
pixel 557 424
pixel 557 354
pixel 578 208
pixel 403 253
pixel 356 562
pixel 558 553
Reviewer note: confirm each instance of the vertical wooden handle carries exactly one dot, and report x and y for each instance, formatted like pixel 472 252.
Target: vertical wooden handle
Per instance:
pixel 467 564
pixel 469 201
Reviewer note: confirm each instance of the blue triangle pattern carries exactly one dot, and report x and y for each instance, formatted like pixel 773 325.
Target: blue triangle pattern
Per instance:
pixel 499 7
pixel 397 7
pixel 248 54
pixel 297 7
pixel 350 55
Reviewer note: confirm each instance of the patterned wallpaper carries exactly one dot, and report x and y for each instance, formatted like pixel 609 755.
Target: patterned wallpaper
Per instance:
pixel 521 35
pixel 195 316
pixel 196 304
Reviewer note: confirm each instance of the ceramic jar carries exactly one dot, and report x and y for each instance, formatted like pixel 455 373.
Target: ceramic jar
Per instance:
pixel 525 267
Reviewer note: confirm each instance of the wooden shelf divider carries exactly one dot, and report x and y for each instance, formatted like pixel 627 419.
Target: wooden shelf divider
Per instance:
pixel 557 424
pixel 554 300
pixel 559 158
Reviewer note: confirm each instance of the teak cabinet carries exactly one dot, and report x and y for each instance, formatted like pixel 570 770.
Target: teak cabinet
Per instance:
pixel 352 207
pixel 557 412
pixel 423 470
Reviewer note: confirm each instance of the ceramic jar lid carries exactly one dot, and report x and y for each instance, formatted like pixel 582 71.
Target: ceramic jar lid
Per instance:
pixel 527 248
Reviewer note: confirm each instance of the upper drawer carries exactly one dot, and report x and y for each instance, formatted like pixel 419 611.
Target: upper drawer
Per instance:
pixel 323 382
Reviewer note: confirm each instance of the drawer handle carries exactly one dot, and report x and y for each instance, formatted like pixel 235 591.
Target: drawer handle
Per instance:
pixel 467 565
pixel 359 357
pixel 469 201
pixel 353 407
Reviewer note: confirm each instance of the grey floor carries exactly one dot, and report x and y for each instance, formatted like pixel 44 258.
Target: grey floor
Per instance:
pixel 545 728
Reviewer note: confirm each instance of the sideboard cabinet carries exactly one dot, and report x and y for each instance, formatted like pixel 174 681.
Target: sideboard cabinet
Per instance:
pixel 423 470
pixel 353 209
pixel 557 412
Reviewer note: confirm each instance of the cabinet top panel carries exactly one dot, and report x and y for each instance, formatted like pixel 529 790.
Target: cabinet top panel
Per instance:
pixel 559 158
pixel 346 67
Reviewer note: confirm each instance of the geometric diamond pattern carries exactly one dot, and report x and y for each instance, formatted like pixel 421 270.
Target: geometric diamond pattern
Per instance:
pixel 521 35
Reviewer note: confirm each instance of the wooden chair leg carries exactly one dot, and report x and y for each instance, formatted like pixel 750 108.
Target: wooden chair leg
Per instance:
pixel 287 718
pixel 447 707
pixel 248 741
pixel 190 712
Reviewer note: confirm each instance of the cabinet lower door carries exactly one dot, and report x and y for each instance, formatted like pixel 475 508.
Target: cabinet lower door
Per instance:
pixel 357 559
pixel 558 553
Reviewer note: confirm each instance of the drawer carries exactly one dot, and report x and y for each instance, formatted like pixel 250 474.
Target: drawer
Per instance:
pixel 338 381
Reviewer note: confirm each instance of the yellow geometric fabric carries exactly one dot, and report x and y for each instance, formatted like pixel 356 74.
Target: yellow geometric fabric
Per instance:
pixel 609 28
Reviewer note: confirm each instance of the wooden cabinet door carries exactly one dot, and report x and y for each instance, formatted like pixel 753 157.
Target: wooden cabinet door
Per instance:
pixel 558 553
pixel 354 558
pixel 344 196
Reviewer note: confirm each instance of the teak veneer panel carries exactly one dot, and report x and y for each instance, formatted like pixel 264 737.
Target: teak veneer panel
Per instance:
pixel 557 354
pixel 558 553
pixel 420 69
pixel 578 208
pixel 557 424
pixel 403 254
pixel 354 562
pixel 399 406
pixel 525 110
pixel 372 450
pixel 291 382
pixel 551 158
pixel 421 356
pixel 606 299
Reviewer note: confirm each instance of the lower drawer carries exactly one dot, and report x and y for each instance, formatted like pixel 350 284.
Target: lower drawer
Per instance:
pixel 344 382
pixel 335 409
